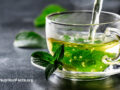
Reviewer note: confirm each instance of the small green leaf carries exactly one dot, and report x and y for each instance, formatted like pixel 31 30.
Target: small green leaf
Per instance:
pixel 51 68
pixel 29 39
pixel 40 20
pixel 58 56
pixel 41 58
pixel 59 53
pixel 42 63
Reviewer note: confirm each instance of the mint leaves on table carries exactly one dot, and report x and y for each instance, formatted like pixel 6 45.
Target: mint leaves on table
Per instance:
pixel 40 20
pixel 51 63
pixel 29 39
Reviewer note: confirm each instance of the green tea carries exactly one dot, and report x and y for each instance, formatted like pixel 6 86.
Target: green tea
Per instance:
pixel 84 57
pixel 95 18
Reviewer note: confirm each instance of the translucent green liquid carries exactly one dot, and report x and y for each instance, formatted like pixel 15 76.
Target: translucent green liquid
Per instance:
pixel 84 57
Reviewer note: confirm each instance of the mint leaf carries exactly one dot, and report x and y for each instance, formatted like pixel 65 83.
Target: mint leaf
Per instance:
pixel 51 63
pixel 40 20
pixel 58 56
pixel 29 39
pixel 49 70
pixel 42 63
pixel 59 53
pixel 41 58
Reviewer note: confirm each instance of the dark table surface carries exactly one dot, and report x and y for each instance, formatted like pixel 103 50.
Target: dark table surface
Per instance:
pixel 18 15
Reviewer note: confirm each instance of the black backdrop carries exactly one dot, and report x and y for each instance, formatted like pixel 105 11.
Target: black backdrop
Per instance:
pixel 12 10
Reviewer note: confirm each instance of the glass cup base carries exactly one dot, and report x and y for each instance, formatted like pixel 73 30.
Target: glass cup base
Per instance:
pixel 81 76
pixel 89 76
pixel 84 76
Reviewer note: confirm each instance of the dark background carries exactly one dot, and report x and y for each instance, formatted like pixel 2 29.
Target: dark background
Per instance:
pixel 13 13
pixel 18 15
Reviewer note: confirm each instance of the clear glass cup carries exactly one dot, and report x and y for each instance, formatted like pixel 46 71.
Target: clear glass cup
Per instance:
pixel 83 59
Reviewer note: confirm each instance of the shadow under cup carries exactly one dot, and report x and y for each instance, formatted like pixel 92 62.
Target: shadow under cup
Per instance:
pixel 83 59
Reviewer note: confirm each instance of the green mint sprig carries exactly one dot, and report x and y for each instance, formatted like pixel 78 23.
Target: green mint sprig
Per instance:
pixel 51 63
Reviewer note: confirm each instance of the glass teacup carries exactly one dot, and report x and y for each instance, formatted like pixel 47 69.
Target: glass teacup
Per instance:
pixel 83 58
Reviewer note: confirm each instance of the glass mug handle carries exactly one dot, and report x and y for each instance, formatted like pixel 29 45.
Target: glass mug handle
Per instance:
pixel 115 60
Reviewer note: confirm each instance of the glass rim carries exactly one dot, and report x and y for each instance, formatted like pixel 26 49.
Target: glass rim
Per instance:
pixel 77 11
